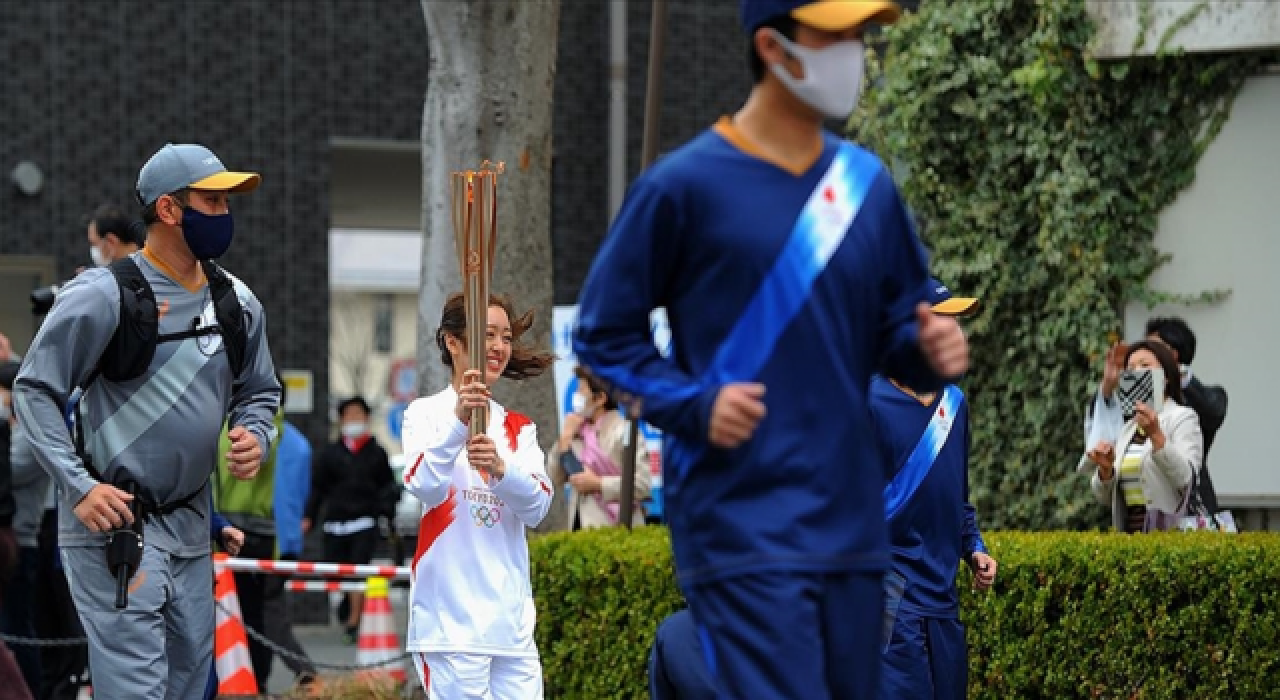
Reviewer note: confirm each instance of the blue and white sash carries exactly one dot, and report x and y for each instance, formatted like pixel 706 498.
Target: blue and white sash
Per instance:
pixel 899 491
pixel 819 230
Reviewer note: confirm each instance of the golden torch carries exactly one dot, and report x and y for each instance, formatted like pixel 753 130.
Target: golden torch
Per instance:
pixel 475 231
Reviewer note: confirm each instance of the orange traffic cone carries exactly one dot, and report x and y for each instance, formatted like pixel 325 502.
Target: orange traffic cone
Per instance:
pixel 230 645
pixel 378 642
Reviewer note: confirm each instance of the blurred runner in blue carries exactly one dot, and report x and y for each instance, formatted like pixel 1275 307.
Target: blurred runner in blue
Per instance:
pixel 932 526
pixel 790 272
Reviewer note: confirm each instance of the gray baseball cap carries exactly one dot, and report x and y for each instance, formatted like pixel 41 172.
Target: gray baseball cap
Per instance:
pixel 189 165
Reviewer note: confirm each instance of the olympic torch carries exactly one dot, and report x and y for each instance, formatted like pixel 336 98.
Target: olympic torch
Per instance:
pixel 475 232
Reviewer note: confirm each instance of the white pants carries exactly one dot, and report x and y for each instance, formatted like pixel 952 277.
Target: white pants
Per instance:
pixel 452 676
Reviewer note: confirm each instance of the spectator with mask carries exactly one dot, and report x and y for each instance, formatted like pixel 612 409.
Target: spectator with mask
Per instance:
pixel 589 455
pixel 30 486
pixel 352 479
pixel 112 236
pixel 1209 402
pixel 1144 469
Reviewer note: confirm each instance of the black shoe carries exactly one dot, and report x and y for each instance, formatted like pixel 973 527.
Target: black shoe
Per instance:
pixel 351 636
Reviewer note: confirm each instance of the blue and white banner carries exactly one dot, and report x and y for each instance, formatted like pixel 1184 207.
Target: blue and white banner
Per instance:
pixel 898 493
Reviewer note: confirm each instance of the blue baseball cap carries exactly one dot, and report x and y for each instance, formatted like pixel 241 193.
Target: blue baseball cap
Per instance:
pixel 189 165
pixel 826 15
pixel 944 303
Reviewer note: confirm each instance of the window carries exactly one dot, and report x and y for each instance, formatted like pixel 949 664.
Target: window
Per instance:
pixel 383 321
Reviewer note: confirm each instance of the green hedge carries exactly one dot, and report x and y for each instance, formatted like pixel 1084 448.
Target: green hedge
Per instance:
pixel 1093 616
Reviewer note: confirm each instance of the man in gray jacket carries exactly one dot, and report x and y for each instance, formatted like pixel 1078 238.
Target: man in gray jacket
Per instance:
pixel 157 432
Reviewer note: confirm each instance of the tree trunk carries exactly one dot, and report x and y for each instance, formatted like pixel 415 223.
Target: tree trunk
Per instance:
pixel 489 96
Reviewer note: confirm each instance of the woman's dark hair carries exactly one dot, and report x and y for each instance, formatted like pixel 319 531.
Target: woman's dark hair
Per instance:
pixel 525 363
pixel 1172 378
pixel 785 26
pixel 596 385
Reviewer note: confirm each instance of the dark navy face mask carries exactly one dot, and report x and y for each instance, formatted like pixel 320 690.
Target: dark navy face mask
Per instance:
pixel 207 236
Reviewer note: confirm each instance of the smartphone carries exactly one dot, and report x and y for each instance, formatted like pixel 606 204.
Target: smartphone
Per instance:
pixel 1140 386
pixel 570 463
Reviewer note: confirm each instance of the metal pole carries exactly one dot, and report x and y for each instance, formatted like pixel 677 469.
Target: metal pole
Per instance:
pixel 648 153
pixel 617 105
pixel 653 84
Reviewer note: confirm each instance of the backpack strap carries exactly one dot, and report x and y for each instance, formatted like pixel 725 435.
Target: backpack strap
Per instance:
pixel 132 346
pixel 230 314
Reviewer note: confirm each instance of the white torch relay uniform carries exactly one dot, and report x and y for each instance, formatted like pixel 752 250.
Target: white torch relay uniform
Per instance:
pixel 472 617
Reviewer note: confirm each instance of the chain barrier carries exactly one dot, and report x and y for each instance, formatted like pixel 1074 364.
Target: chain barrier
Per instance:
pixel 255 634
pixel 303 659
pixel 12 640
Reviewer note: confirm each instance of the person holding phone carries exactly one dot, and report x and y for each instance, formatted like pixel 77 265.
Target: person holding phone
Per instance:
pixel 1146 472
pixel 589 455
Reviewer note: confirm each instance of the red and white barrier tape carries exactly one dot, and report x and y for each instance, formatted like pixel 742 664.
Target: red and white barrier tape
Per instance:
pixel 317 568
pixel 326 586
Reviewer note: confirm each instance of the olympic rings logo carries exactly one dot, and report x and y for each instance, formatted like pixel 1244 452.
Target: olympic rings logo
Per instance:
pixel 484 516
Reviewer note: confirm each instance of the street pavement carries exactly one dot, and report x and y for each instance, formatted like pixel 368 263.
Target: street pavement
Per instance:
pixel 324 643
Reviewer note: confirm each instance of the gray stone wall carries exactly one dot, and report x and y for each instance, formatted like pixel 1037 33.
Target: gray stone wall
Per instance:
pixel 91 88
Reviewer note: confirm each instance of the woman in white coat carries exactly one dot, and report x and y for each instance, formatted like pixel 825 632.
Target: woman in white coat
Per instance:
pixel 595 438
pixel 1147 474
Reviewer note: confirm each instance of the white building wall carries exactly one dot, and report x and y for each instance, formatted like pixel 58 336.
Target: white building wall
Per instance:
pixel 1224 233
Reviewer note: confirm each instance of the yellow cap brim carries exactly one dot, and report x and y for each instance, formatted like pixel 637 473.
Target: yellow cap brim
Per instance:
pixel 956 306
pixel 229 182
pixel 839 15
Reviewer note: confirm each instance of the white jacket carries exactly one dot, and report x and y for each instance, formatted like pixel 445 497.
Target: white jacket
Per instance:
pixel 470 590
pixel 1167 473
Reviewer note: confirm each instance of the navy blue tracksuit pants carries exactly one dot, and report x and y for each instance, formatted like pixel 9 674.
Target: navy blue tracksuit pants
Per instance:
pixel 925 659
pixel 783 635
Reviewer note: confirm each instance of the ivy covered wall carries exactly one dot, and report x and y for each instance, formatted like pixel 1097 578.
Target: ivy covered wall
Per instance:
pixel 1037 174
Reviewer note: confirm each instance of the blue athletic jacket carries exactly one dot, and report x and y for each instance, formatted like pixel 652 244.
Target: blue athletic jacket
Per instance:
pixel 697 234
pixel 937 527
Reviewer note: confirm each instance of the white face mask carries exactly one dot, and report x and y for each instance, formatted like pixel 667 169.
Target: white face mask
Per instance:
pixel 96 254
pixel 832 75
pixel 577 403
pixel 354 430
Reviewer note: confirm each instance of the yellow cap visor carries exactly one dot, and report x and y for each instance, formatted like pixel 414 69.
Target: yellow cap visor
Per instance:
pixel 229 182
pixel 956 306
pixel 839 15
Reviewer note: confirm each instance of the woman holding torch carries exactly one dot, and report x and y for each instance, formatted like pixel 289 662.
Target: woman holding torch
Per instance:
pixel 478 470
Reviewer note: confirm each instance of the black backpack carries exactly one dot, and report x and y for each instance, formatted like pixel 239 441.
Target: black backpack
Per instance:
pixel 133 345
